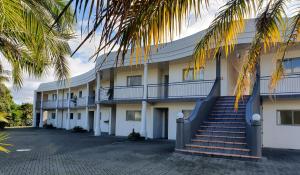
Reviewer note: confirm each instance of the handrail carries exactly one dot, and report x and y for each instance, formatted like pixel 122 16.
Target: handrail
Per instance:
pixel 253 128
pixel 187 128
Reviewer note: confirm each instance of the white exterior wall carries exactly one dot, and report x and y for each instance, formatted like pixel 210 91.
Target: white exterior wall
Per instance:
pixel 279 136
pixel 176 69
pixel 75 122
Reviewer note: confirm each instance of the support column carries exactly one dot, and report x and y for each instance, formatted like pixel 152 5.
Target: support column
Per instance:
pixel 41 112
pixel 97 117
pixel 143 131
pixel 69 112
pixel 87 107
pixel 56 110
pixel 34 110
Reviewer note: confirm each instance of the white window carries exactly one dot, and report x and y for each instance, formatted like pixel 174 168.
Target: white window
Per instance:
pixel 288 117
pixel 133 115
pixel 186 113
pixel 53 116
pixel 191 75
pixel 292 65
pixel 79 116
pixel 134 80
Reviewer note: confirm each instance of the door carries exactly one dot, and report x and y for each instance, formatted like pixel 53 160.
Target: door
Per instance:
pixel 160 123
pixel 38 118
pixel 91 121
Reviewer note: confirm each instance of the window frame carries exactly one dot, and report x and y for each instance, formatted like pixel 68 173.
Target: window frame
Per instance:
pixel 278 117
pixel 135 120
pixel 53 115
pixel 290 61
pixel 79 116
pixel 134 76
pixel 194 76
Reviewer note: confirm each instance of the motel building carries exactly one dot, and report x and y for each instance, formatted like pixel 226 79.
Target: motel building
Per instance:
pixel 160 101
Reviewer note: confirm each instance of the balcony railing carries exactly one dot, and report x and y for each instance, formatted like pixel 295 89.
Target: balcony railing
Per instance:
pixel 288 85
pixel 78 102
pixel 49 104
pixel 189 89
pixel 128 92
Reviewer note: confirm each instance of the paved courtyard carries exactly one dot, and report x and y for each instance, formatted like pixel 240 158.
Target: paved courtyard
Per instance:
pixel 58 152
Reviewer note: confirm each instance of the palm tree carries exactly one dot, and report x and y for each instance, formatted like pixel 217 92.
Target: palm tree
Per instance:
pixel 3 115
pixel 29 41
pixel 136 24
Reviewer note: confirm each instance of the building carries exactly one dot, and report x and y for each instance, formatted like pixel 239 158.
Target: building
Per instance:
pixel 147 96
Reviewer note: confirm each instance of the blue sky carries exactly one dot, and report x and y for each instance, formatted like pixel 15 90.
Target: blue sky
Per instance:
pixel 79 63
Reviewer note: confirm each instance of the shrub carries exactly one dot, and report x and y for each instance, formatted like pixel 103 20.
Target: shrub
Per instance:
pixel 48 126
pixel 78 129
pixel 134 136
pixel 2 125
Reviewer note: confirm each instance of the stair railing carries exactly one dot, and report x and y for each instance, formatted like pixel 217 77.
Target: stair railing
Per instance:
pixel 253 127
pixel 187 128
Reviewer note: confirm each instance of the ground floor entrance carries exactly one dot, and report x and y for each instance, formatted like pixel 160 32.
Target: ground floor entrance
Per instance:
pixel 160 123
pixel 91 121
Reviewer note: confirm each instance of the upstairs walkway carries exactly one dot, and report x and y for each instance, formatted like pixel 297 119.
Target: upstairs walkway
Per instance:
pixel 61 152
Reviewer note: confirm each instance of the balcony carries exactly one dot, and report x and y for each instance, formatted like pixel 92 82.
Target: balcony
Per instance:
pixel 78 102
pixel 49 104
pixel 287 86
pixel 170 91
pixel 180 90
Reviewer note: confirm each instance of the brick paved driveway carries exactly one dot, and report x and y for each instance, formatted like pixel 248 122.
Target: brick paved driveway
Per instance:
pixel 57 152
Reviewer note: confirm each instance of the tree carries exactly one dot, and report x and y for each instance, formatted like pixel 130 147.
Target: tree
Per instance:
pixel 29 41
pixel 136 24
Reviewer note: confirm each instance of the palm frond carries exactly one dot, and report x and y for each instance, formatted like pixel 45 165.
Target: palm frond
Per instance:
pixel 223 31
pixel 293 36
pixel 268 33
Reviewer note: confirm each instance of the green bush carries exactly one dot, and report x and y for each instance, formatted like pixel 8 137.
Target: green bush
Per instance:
pixel 2 125
pixel 134 136
pixel 48 126
pixel 78 129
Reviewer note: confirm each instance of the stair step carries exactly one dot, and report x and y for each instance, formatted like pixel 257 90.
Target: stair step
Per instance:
pixel 225 132
pixel 219 143
pixel 213 136
pixel 224 123
pixel 226 118
pixel 225 127
pixel 227 114
pixel 217 154
pixel 217 147
pixel 216 141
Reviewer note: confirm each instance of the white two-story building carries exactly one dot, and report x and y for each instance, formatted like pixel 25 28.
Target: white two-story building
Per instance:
pixel 147 96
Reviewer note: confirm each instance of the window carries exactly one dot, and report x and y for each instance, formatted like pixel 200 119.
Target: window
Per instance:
pixel 189 75
pixel 134 80
pixel 79 116
pixel 71 116
pixel 54 97
pixel 53 116
pixel 133 115
pixel 292 65
pixel 186 113
pixel 288 117
pixel 80 94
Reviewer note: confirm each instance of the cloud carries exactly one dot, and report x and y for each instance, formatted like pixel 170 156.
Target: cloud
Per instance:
pixel 80 63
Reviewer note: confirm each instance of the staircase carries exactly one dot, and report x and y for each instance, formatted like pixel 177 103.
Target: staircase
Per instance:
pixel 222 134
